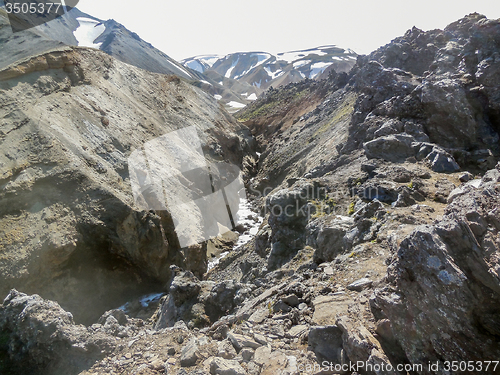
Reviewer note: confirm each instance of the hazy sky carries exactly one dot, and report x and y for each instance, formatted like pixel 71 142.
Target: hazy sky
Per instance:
pixel 193 27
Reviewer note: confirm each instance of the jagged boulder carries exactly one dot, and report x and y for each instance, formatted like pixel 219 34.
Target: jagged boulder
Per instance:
pixel 326 236
pixel 199 303
pixel 44 338
pixel 444 82
pixel 450 271
pixel 390 147
pixel 289 211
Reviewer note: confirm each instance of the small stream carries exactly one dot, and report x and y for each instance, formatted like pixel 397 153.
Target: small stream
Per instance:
pixel 247 216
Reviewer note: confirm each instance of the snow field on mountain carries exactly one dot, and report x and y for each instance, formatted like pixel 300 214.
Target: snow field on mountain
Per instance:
pixel 301 63
pixel 88 31
pixel 230 70
pixel 179 68
pixel 234 104
pixel 318 68
pixel 275 74
pixel 195 65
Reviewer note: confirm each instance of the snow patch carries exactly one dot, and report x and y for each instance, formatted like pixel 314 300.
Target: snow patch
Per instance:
pixel 252 97
pixel 230 70
pixel 180 68
pixel 234 104
pixel 218 97
pixel 317 52
pixel 250 220
pixel 208 83
pixel 147 299
pixel 195 65
pixel 275 74
pixel 144 301
pixel 290 57
pixel 318 68
pixel 301 63
pixel 88 31
pixel 261 59
pixel 210 60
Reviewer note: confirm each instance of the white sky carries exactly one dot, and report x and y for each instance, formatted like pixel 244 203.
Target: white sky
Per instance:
pixel 185 28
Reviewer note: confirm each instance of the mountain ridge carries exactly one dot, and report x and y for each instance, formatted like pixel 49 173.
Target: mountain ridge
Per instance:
pixel 256 71
pixel 115 39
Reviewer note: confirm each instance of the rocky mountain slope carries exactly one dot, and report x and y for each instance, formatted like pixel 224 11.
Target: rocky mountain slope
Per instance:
pixel 255 72
pixel 76 28
pixel 379 247
pixel 70 120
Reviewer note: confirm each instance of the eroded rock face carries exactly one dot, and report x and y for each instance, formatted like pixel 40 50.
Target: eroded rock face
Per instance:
pixel 44 337
pixel 199 303
pixel 446 280
pixel 70 226
pixel 289 211
pixel 436 86
pixel 326 235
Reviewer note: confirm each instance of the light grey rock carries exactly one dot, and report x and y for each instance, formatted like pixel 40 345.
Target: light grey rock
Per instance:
pixel 73 191
pixel 465 177
pixel 360 284
pixel 404 198
pixel 289 211
pixel 189 354
pixel 328 308
pixel 451 115
pixel 225 349
pixel 221 366
pixel 379 189
pixel 303 306
pixel 248 307
pixel 241 341
pixel 247 354
pixel 461 190
pixel 389 128
pixel 297 331
pixel 260 339
pixel 259 316
pixel 441 161
pixel 184 290
pixel 326 235
pixel 390 147
pixel 451 277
